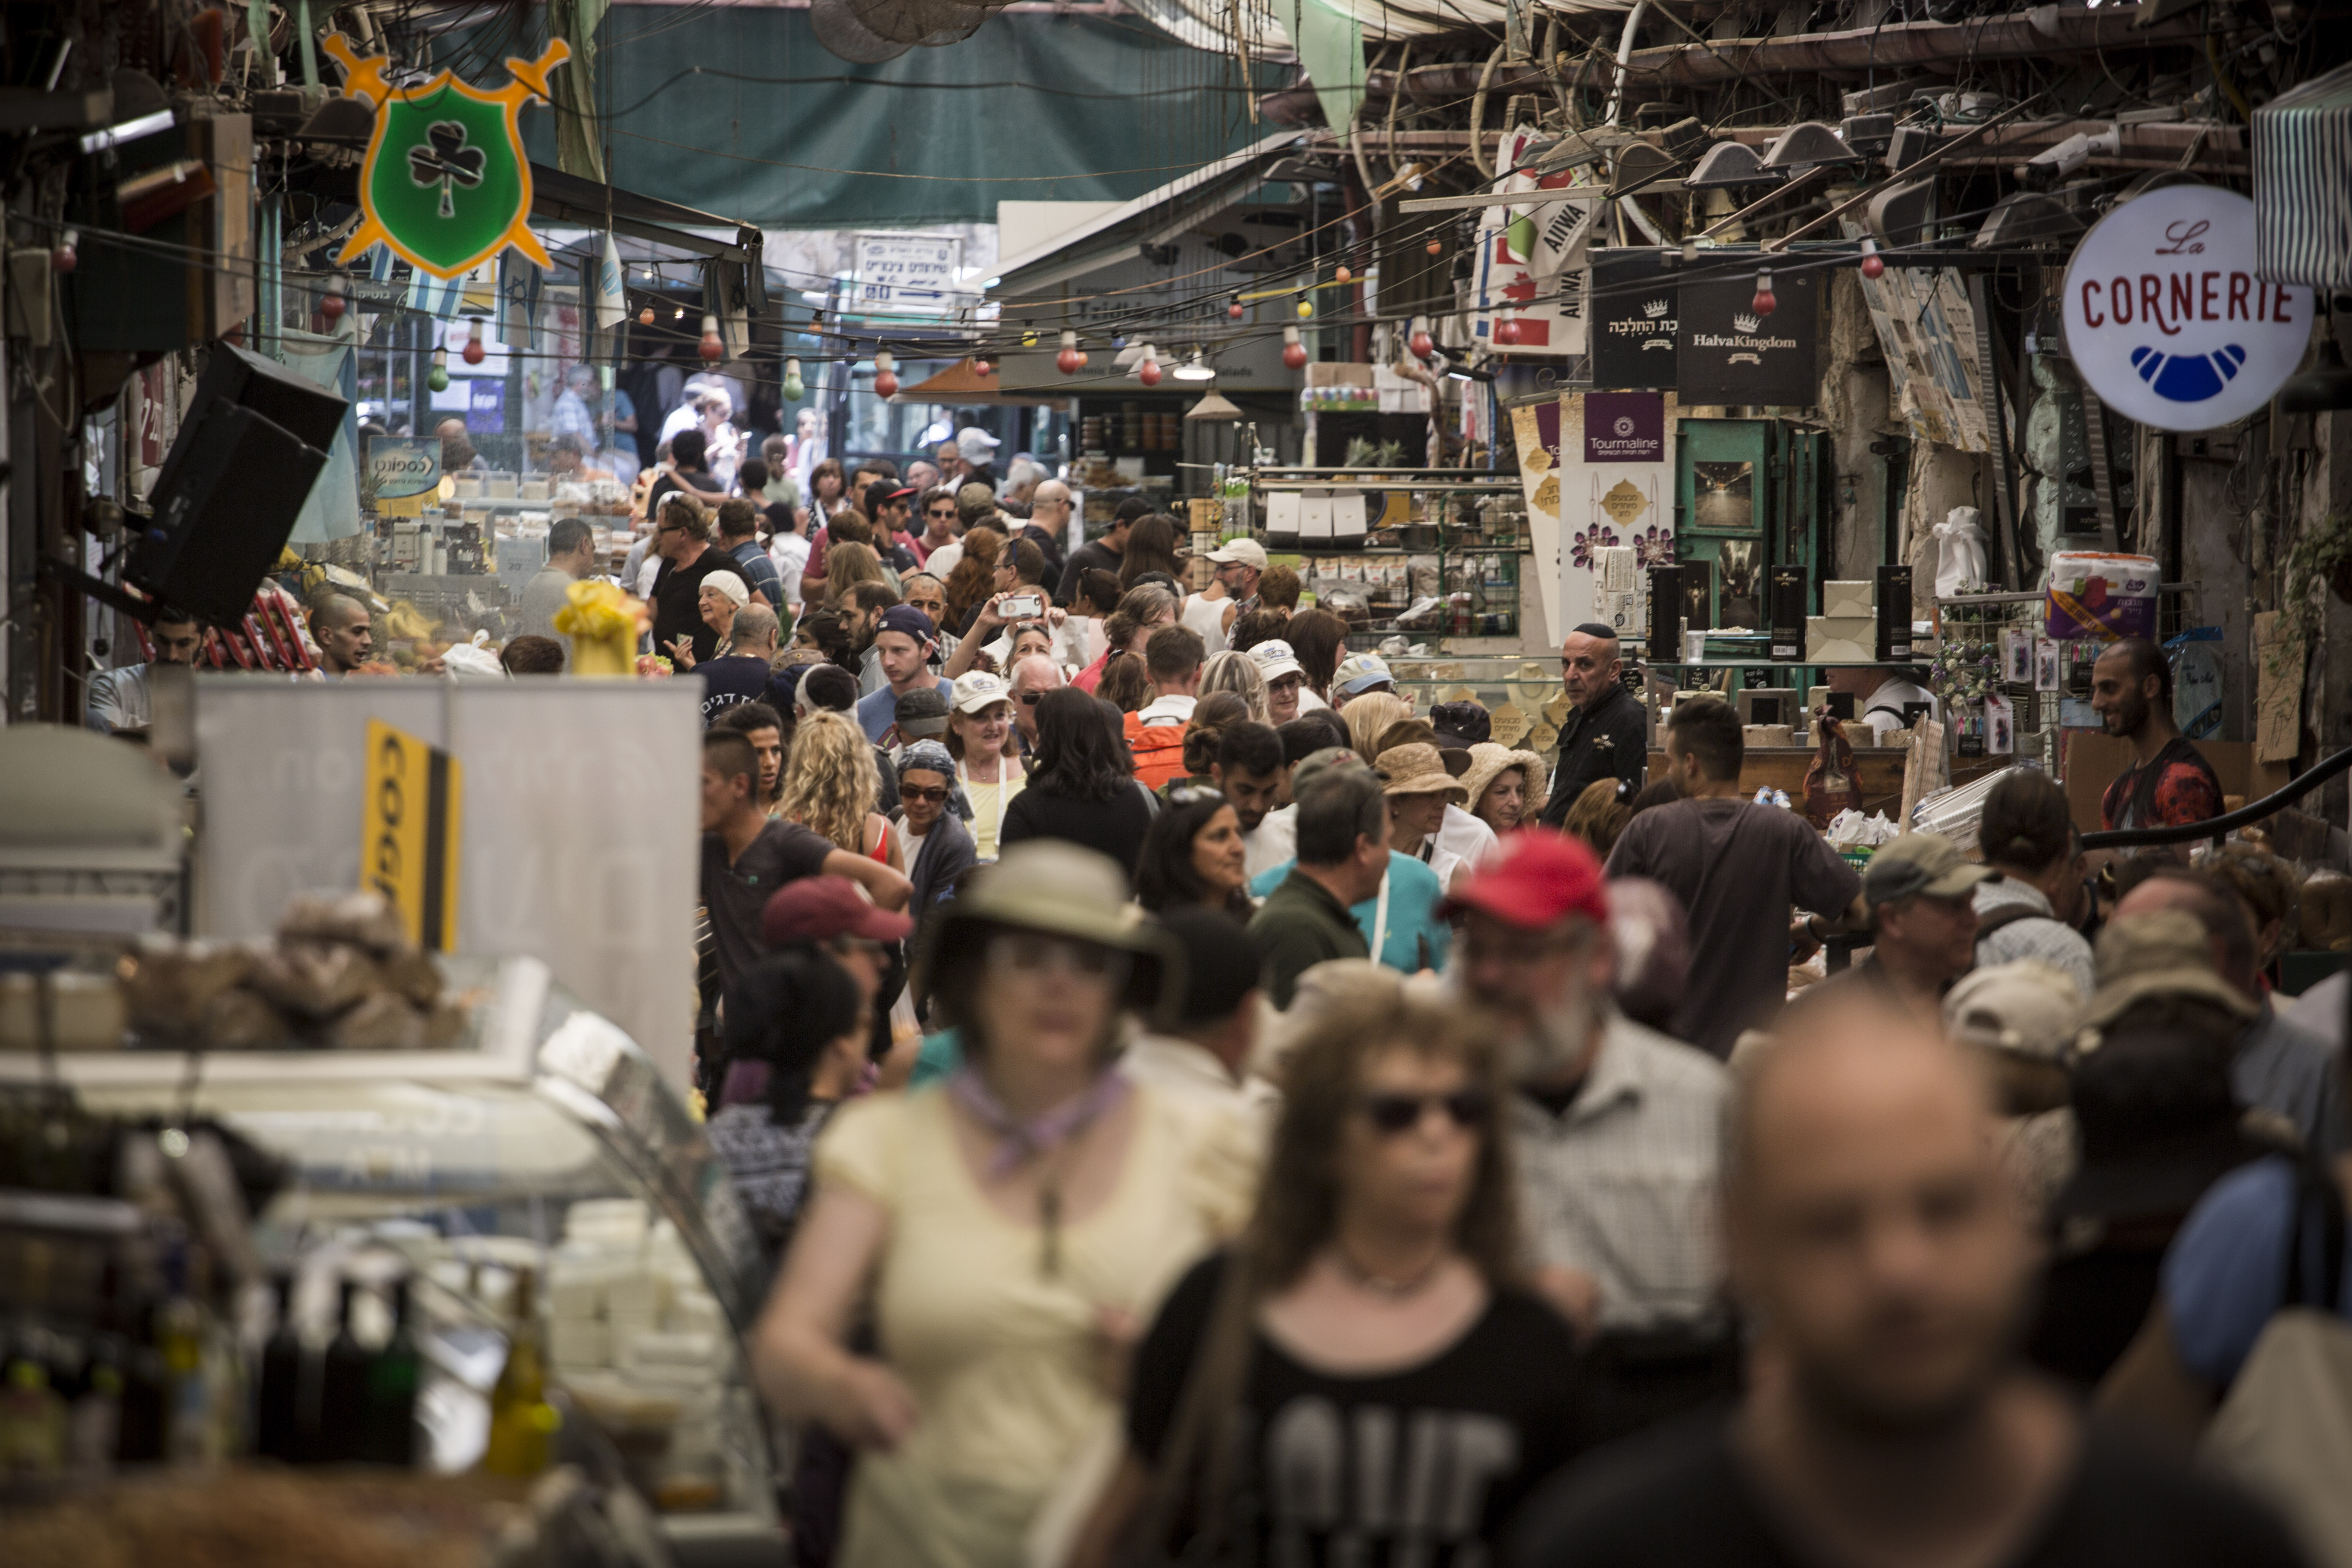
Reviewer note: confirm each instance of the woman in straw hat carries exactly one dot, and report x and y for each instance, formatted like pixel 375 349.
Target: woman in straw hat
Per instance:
pixel 1010 1228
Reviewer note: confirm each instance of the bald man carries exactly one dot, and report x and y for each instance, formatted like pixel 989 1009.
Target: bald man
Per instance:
pixel 345 632
pixel 1872 1235
pixel 1608 734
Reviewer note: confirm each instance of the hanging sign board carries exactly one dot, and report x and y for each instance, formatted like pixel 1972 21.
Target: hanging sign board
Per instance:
pixel 901 273
pixel 409 832
pixel 2166 318
pixel 445 185
pixel 1624 427
pixel 1635 314
pixel 1729 354
pixel 1531 249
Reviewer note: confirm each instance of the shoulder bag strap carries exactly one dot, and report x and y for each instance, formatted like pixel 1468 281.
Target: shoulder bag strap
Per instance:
pixel 1198 1446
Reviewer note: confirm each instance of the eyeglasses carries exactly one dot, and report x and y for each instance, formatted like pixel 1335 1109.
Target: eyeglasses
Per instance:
pixel 1031 698
pixel 1393 1114
pixel 943 514
pixel 935 793
pixel 1034 952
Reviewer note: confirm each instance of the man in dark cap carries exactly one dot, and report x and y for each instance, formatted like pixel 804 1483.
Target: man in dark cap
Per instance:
pixel 904 638
pixel 1607 736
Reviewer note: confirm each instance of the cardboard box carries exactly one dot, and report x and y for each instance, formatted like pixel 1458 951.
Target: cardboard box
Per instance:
pixel 2090 760
pixel 1854 599
pixel 1841 639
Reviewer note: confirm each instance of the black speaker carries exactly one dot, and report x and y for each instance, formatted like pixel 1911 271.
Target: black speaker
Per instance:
pixel 250 447
pixel 1893 615
pixel 1665 615
pixel 1788 615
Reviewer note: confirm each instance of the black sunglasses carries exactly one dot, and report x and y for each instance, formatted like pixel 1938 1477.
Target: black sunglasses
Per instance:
pixel 935 793
pixel 1394 1114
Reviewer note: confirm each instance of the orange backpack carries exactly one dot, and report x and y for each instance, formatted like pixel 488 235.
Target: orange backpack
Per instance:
pixel 1158 750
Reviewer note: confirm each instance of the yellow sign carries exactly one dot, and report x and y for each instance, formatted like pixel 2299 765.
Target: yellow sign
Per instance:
pixel 408 833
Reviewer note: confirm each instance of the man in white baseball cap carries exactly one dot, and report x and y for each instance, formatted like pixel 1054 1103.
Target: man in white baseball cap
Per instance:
pixel 1232 592
pixel 978 449
pixel 1286 696
pixel 1229 593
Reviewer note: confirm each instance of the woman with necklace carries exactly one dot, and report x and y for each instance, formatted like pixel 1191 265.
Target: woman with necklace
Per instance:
pixel 1009 1227
pixel 1361 1378
pixel 988 761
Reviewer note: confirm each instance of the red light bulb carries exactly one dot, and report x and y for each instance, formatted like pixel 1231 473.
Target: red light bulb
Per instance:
pixel 1294 352
pixel 646 317
pixel 1434 247
pixel 1507 330
pixel 712 350
pixel 474 352
pixel 1764 304
pixel 982 366
pixel 1873 263
pixel 1072 359
pixel 1420 343
pixel 1150 374
pixel 1343 274
pixel 1233 311
pixel 886 383
pixel 331 307
pixel 65 256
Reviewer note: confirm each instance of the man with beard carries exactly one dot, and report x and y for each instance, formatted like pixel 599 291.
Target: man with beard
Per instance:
pixel 2168 782
pixel 1615 1125
pixel 1249 770
pixel 1874 1234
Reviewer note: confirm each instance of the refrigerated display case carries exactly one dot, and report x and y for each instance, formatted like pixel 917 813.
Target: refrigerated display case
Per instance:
pixel 543 1150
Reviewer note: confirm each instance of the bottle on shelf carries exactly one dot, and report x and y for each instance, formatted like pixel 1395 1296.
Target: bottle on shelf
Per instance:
pixel 188 1429
pixel 522 1423
pixel 32 1416
pixel 343 1388
pixel 392 1375
pixel 278 1402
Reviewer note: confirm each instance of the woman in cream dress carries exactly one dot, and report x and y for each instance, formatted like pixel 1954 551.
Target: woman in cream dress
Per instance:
pixel 1012 1227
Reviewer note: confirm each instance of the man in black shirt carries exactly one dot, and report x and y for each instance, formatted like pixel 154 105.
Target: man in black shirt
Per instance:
pixel 747 854
pixel 1608 735
pixel 1103 554
pixel 682 540
pixel 1871 1225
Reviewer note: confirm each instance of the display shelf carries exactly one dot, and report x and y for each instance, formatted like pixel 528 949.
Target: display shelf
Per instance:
pixel 505 1030
pixel 1761 662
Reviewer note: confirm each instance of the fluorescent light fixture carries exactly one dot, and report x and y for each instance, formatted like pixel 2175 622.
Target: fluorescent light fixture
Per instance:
pixel 129 130
pixel 1194 368
pixel 992 282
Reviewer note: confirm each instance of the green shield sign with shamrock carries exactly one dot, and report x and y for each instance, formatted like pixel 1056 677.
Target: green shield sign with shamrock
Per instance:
pixel 445 185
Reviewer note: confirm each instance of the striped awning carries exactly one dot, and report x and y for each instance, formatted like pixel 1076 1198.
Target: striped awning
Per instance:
pixel 2303 183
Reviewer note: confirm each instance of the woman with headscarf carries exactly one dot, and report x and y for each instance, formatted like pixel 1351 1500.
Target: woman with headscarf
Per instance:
pixel 938 845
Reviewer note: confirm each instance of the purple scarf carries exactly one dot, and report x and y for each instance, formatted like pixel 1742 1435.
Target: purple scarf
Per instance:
pixel 1017 1139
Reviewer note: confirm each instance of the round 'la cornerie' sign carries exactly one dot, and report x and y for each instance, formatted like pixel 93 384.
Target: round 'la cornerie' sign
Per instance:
pixel 2165 317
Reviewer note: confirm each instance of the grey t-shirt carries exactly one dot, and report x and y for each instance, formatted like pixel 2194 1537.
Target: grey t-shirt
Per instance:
pixel 1737 869
pixel 542 597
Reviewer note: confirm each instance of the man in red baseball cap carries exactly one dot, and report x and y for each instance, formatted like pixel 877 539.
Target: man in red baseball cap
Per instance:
pixel 1615 1125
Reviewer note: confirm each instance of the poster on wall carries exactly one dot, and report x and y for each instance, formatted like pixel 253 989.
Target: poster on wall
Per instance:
pixel 1728 352
pixel 1610 505
pixel 1635 316
pixel 1536 429
pixel 1531 260
pixel 1922 318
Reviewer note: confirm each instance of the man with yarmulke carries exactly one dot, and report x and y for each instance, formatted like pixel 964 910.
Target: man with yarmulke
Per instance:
pixel 1607 735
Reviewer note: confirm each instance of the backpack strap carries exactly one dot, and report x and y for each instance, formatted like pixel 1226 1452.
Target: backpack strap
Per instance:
pixel 2007 915
pixel 2316 1200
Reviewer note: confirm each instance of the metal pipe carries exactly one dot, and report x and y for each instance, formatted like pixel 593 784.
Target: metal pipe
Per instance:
pixel 1624 53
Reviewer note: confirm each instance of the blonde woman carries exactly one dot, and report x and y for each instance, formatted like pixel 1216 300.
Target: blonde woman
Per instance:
pixel 985 745
pixel 1236 673
pixel 830 786
pixel 1368 718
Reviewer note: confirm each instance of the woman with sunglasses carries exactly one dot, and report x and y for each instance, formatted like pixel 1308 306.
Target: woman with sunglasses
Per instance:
pixel 933 835
pixel 1193 857
pixel 1363 1377
pixel 1008 1228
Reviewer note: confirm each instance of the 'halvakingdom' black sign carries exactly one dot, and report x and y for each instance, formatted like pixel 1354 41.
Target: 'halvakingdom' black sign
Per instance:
pixel 1728 352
